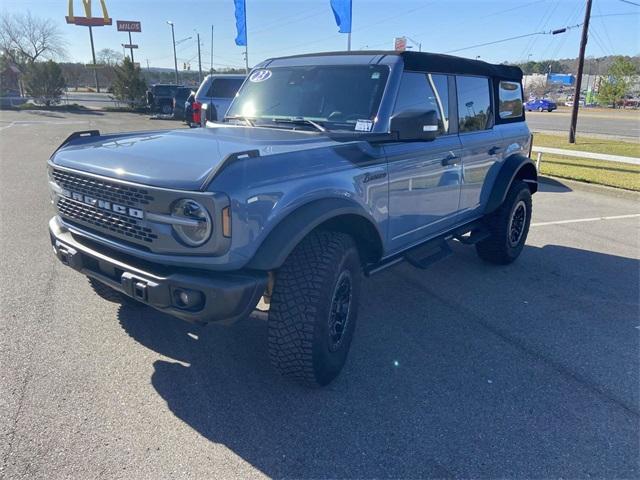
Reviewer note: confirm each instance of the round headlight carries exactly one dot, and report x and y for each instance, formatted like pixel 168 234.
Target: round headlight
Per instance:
pixel 192 222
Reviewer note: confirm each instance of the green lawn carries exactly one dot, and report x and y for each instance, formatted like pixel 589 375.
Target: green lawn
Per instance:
pixel 613 174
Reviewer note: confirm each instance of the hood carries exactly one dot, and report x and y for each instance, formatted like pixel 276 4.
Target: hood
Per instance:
pixel 177 159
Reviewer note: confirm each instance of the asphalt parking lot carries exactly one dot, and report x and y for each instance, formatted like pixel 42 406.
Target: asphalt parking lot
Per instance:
pixel 464 370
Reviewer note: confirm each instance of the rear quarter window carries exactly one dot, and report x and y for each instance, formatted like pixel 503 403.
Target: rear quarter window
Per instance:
pixel 474 103
pixel 510 100
pixel 224 87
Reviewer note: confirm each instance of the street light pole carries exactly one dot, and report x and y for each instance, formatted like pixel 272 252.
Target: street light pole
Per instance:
pixel 576 96
pixel 175 58
pixel 211 64
pixel 415 43
pixel 199 60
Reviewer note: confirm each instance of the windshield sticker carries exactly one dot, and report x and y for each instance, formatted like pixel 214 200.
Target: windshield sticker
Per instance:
pixel 364 125
pixel 260 76
pixel 375 75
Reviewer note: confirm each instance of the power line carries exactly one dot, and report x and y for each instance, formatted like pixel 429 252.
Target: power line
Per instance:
pixel 550 32
pixel 630 3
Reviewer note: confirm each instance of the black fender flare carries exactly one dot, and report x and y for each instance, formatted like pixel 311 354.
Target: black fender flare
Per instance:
pixel 516 166
pixel 290 231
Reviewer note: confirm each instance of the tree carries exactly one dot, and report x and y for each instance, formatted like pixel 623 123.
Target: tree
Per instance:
pixel 108 56
pixel 128 85
pixel 44 82
pixel 614 89
pixel 25 39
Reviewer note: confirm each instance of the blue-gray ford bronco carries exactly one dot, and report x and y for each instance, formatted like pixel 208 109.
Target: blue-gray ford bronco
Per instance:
pixel 326 168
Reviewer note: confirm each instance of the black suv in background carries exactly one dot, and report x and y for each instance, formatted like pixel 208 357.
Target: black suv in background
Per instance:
pixel 180 99
pixel 160 97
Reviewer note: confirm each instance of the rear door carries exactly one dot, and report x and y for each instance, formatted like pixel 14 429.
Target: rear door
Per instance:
pixel 482 145
pixel 221 93
pixel 424 177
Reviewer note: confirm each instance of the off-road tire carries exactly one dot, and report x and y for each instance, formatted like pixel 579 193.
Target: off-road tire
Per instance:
pixel 304 296
pixel 108 293
pixel 498 247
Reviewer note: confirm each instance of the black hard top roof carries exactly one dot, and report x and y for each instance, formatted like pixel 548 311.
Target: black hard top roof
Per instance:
pixel 434 62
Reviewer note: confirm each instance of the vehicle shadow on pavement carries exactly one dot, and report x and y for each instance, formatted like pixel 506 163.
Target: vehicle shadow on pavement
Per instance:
pixel 552 185
pixel 461 370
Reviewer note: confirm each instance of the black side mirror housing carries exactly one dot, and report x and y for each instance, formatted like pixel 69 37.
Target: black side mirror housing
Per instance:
pixel 415 125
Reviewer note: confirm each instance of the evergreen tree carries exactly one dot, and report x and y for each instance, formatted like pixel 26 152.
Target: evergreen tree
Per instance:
pixel 128 84
pixel 44 82
pixel 618 84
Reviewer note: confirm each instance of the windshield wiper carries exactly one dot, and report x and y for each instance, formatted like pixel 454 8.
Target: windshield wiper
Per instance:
pixel 301 121
pixel 240 117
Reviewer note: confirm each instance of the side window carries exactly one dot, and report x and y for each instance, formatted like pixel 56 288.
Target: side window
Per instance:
pixel 419 91
pixel 510 96
pixel 474 103
pixel 224 87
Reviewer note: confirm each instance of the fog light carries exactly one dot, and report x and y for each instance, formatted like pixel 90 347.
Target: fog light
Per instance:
pixel 189 299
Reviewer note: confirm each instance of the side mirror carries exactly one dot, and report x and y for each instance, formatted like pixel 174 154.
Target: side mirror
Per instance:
pixel 415 125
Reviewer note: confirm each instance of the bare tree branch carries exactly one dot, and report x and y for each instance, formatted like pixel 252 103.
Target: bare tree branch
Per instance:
pixel 26 38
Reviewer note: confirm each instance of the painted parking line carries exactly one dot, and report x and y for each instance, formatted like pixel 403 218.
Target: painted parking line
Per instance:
pixel 26 123
pixel 581 220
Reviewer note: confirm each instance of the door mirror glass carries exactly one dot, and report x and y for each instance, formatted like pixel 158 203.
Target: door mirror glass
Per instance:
pixel 415 125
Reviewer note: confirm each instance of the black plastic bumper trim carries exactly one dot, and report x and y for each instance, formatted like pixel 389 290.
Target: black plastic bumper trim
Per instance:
pixel 228 296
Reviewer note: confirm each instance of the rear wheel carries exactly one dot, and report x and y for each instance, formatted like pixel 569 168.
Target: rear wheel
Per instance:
pixel 508 226
pixel 313 308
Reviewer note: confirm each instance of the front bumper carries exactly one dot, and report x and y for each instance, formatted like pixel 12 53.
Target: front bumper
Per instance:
pixel 227 296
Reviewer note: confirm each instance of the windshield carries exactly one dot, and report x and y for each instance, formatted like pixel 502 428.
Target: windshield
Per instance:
pixel 337 97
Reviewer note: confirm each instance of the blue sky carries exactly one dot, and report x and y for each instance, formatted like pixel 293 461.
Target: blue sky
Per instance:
pixel 286 27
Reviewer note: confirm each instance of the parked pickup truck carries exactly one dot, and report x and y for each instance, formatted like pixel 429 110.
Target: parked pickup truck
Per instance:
pixel 327 168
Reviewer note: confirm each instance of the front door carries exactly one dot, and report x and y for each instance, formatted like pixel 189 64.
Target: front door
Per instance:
pixel 424 177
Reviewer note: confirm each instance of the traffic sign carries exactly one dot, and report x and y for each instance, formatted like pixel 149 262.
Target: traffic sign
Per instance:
pixel 128 26
pixel 400 44
pixel 130 45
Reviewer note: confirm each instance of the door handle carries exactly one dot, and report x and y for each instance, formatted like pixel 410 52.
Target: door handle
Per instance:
pixel 493 150
pixel 450 159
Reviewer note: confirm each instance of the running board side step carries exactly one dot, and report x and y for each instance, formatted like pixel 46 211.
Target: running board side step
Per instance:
pixel 426 256
pixel 433 250
pixel 474 236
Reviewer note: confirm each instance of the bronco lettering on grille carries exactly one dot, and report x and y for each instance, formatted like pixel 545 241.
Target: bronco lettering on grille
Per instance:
pixel 104 205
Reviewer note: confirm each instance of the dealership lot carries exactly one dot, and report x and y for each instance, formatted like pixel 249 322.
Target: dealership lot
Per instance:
pixel 464 370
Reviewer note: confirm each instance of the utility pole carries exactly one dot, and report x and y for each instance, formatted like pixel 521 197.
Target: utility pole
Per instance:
pixel 349 42
pixel 211 64
pixel 175 58
pixel 93 55
pixel 576 96
pixel 199 60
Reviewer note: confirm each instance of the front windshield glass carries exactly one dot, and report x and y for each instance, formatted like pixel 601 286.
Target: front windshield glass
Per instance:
pixel 344 97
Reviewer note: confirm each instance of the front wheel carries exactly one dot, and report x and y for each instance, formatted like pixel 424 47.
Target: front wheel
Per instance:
pixel 314 307
pixel 508 227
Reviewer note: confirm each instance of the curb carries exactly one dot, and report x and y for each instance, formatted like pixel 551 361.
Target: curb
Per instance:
pixel 590 187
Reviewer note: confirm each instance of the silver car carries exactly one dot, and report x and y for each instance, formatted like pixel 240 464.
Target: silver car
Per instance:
pixel 216 93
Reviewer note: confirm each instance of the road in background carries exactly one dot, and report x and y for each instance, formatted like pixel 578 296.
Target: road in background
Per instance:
pixel 462 370
pixel 623 124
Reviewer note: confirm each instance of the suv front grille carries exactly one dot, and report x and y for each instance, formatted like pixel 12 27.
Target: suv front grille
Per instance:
pixel 114 192
pixel 113 222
